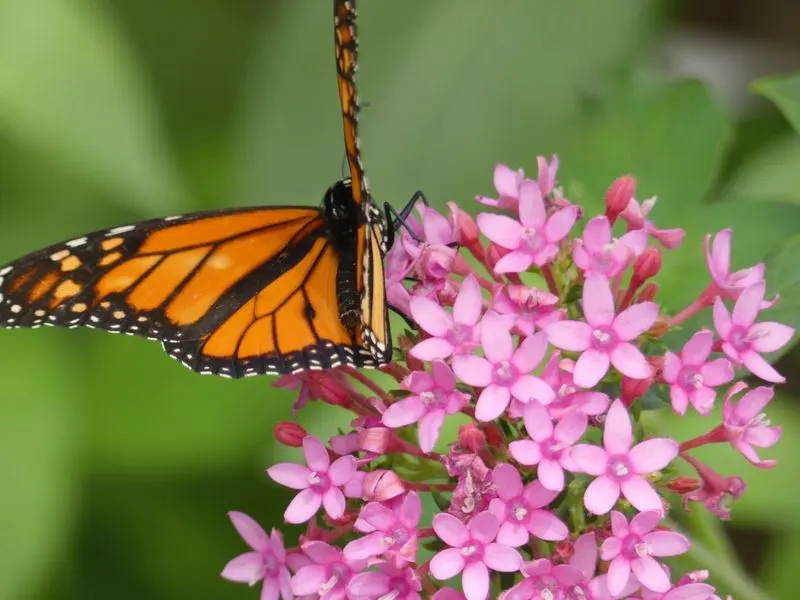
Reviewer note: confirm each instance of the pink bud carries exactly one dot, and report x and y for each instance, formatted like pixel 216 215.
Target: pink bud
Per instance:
pixel 494 435
pixel 495 253
pixel 683 485
pixel 471 437
pixel 465 225
pixel 648 292
pixel 633 389
pixel 289 434
pixel 619 195
pixel 647 264
pixel 375 439
pixel 381 485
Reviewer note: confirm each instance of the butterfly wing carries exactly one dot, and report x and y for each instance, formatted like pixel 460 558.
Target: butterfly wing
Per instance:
pixel 372 247
pixel 238 292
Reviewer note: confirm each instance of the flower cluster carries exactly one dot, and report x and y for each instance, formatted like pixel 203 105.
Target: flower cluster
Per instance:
pixel 544 348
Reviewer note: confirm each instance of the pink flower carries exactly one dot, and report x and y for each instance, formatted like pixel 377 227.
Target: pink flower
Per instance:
pixel 597 252
pixel 393 531
pixel 456 333
pixel 319 482
pixel 744 340
pixel 435 395
pixel 521 510
pixel 636 217
pixel 747 426
pixel 632 549
pixel 534 238
pixel 389 582
pixel 691 378
pixel 530 307
pixel 473 551
pixel 474 489
pixel 504 372
pixel 549 446
pixel 558 373
pixel 544 580
pixel 718 258
pixel 684 591
pixel 506 183
pixel 620 467
pixel 605 338
pixel 546 177
pixel 326 572
pixel 267 561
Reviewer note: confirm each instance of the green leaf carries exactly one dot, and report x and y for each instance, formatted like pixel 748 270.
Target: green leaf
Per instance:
pixel 769 173
pixel 71 88
pixel 38 462
pixel 783 274
pixel 784 91
pixel 503 87
pixel 671 138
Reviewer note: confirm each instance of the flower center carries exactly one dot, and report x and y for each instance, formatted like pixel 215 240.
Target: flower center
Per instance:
pixel 603 338
pixel 551 448
pixel 432 399
pixel 395 537
pixel 739 338
pixel 460 335
pixel 472 551
pixel 604 260
pixel 634 547
pixel 691 379
pixel 531 239
pixel 619 468
pixel 504 372
pixel 517 511
pixel 319 480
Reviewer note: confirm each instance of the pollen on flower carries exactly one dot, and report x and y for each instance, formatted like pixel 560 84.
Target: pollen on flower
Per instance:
pixel 532 331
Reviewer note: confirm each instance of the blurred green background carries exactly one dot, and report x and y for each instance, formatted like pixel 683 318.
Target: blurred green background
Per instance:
pixel 117 465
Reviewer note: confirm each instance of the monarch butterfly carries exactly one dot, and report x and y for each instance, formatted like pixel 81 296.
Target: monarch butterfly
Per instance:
pixel 246 291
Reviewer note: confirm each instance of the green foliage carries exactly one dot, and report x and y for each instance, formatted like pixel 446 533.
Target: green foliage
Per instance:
pixel 118 464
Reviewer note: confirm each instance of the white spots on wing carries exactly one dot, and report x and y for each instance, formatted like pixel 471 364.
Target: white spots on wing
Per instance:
pixel 172 218
pixel 16 308
pixel 77 242
pixel 5 271
pixel 60 255
pixel 118 230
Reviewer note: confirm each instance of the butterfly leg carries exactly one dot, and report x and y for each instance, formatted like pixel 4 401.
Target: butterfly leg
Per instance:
pixel 398 220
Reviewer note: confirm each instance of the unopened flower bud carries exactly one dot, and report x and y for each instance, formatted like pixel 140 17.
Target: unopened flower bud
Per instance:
pixel 619 195
pixel 471 438
pixel 683 485
pixel 381 485
pixel 648 292
pixel 634 388
pixel 289 434
pixel 375 439
pixel 647 264
pixel 494 435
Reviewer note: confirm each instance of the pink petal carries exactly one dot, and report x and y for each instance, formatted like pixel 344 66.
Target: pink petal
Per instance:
pixel 370 585
pixel 630 361
pixel 617 434
pixel 601 495
pixel 431 317
pixel 245 568
pixel 653 455
pixel 538 496
pixel 753 402
pixel 720 255
pixel 483 527
pixel 404 412
pixel 447 563
pixel 529 388
pixel 291 475
pixel 516 261
pixel 590 368
pixel 496 339
pixel 492 402
pixel 672 367
pixel 697 349
pixel 769 336
pixel 334 502
pixel 410 510
pixel 667 543
pixel 651 574
pixel 502 230
pixel 429 428
pixel 251 532
pixel 546 526
pixel 619 571
pixel 506 181
pixel 507 480
pixel 597 234
pixel 378 516
pixel 342 470
pixel 645 522
pixel 365 547
pixel 468 304
pixel 641 494
pixel 511 533
pixel 589 459
pixel 717 372
pixel 560 223
pixel 635 320
pixel 270 590
pixel 598 302
pixel 317 457
pixel 525 452
pixel 473 370
pixel 475 581
pixel 551 475
pixel 722 320
pixel 530 353
pixel 635 241
pixel 756 364
pixel 437 229
pixel 450 530
pixel 531 205
pixel 538 423
pixel 308 580
pixel 748 305
pixel 303 506
pixel 500 557
pixel 574 336
pixel 680 401
pixel 571 427
pixel 442 375
pixel 703 400
pixel 432 349
pixel 612 546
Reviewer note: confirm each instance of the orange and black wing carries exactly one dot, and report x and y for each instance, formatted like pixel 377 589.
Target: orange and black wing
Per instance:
pixel 372 246
pixel 233 293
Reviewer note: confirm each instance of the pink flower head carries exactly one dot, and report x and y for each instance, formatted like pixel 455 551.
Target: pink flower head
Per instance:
pixel 451 334
pixel 434 396
pixel 521 510
pixel 620 468
pixel 713 490
pixel 534 238
pixel 326 572
pixel 266 562
pixel 543 579
pixel 319 482
pixel 389 582
pixel 718 259
pixel 636 217
pixel 504 372
pixel 392 530
pixel 434 253
pixel 747 426
pixel 558 373
pixel 507 183
pixel 744 340
pixel 549 446
pixel 472 551
pixel 530 307
pixel 692 378
pixel 605 338
pixel 632 549
pixel 474 489
pixel 597 252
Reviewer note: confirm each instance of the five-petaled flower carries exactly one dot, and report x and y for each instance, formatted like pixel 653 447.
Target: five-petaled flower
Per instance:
pixel 747 426
pixel 597 252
